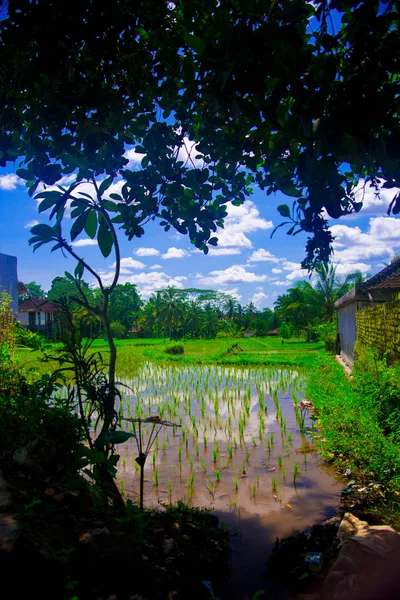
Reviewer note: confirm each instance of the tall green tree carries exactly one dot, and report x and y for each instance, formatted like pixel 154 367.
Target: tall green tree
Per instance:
pixel 125 304
pixel 170 310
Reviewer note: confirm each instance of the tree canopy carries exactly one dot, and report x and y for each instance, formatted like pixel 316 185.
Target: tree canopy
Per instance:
pixel 214 96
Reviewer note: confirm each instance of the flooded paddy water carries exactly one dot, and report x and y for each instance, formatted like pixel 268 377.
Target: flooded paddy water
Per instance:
pixel 242 450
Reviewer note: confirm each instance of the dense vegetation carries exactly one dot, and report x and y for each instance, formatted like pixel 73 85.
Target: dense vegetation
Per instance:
pixel 358 423
pixel 308 107
pixel 305 310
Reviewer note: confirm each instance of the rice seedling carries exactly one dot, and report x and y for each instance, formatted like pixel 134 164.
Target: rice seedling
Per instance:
pixel 274 484
pixel 296 471
pixel 284 474
pixel 229 449
pixel 253 490
pixel 236 481
pixel 169 488
pixel 253 439
pixel 215 453
pixel 203 465
pixel 211 488
pixel 155 478
pixel 197 450
pixel 217 475
pixel 280 462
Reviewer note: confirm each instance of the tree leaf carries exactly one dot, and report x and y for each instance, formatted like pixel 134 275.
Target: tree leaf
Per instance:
pixel 45 232
pixel 78 225
pixel 79 270
pixel 195 42
pixel 91 224
pixel 105 240
pixel 105 184
pixel 113 437
pixel 284 210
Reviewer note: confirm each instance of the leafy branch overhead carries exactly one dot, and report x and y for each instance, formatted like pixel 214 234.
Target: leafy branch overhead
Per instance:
pixel 211 97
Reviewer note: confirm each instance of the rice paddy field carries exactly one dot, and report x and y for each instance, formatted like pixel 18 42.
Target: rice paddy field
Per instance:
pixel 241 443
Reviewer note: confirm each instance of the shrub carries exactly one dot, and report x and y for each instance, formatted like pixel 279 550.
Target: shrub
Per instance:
pixel 29 339
pixel 328 335
pixel 284 331
pixel 118 330
pixel 177 349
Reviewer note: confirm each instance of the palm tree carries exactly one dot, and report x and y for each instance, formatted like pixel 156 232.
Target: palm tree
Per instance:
pixel 327 286
pixel 231 308
pixel 193 318
pixel 170 309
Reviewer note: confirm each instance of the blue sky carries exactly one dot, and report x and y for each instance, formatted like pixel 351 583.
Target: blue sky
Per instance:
pixel 247 263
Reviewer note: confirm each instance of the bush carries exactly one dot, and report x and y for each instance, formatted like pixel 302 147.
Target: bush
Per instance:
pixel 284 331
pixel 29 339
pixel 328 335
pixel 353 429
pixel 118 330
pixel 35 430
pixel 177 349
pixel 312 333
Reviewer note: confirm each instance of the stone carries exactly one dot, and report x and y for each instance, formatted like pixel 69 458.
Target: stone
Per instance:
pixel 367 565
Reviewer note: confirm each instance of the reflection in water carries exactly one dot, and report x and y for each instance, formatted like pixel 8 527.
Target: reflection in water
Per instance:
pixel 242 451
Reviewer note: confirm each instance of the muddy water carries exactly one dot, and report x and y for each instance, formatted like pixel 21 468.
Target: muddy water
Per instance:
pixel 243 450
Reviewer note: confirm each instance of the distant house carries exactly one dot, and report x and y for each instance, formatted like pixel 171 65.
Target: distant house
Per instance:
pixel 379 290
pixel 248 333
pixel 272 332
pixel 9 279
pixel 38 314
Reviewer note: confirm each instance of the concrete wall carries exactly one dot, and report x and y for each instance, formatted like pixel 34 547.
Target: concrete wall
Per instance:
pixel 379 327
pixel 347 328
pixel 9 278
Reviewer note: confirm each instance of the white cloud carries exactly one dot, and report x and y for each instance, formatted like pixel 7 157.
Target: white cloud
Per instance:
pixel 187 154
pixel 154 267
pixel 297 274
pixel 385 228
pixel 276 271
pixel 280 283
pixel 133 157
pixel 263 255
pixel 234 274
pixel 148 282
pixel 10 181
pixel 212 251
pixel 234 292
pixel 241 220
pixel 352 245
pixel 174 253
pixel 345 269
pixel 31 224
pixel 84 242
pixel 373 203
pixel 290 266
pixel 129 263
pixel 147 252
pixel 259 299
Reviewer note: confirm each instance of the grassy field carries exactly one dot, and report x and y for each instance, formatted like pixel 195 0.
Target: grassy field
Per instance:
pixel 250 351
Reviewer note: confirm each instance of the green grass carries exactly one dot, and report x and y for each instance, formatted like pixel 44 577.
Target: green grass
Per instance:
pixel 351 436
pixel 255 351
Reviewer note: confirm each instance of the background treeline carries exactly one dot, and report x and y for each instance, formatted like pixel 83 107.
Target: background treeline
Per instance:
pixel 306 310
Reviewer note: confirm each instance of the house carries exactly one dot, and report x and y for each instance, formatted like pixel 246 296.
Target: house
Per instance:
pixel 248 333
pixel 9 279
pixel 272 332
pixel 38 314
pixel 354 323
